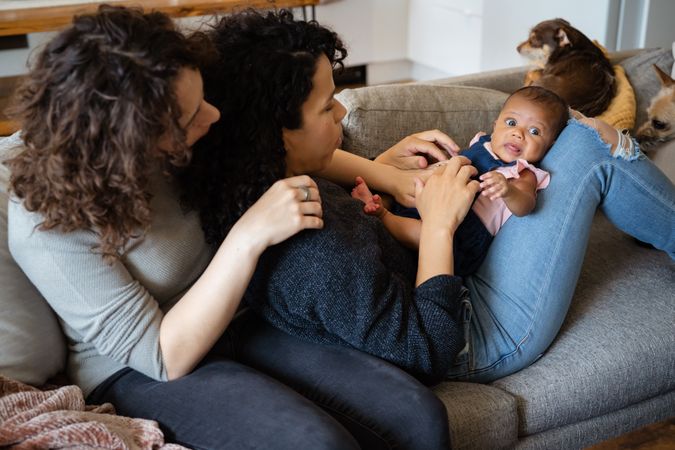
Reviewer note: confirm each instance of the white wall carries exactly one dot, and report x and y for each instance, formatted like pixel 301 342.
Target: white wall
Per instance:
pixel 424 39
pixel 463 36
pixel 14 62
pixel 375 33
pixel 506 23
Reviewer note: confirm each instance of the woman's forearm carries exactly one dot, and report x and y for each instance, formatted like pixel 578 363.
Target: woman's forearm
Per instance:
pixel 435 253
pixel 194 324
pixel 345 167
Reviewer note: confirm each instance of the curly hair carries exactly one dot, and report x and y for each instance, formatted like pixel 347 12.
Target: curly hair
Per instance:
pixel 92 109
pixel 259 82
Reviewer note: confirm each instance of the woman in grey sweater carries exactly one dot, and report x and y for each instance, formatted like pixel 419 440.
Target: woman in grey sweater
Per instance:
pixel 111 106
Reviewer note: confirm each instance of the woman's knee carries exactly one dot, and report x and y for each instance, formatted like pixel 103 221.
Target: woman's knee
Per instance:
pixel 422 419
pixel 224 404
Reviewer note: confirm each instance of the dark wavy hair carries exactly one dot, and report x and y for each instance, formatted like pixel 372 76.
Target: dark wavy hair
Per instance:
pixel 92 109
pixel 262 77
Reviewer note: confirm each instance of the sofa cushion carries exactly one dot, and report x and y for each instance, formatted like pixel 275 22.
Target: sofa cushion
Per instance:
pixel 643 78
pixel 379 116
pixel 32 346
pixel 479 415
pixel 616 347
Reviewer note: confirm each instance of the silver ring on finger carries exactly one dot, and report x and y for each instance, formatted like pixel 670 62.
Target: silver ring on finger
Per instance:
pixel 305 189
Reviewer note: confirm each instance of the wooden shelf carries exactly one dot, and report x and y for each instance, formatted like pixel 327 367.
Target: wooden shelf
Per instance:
pixel 31 16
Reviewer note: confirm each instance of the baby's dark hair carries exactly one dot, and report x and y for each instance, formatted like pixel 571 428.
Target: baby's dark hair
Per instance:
pixel 555 105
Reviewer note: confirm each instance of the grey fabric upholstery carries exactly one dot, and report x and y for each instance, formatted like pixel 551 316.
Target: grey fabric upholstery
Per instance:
pixel 469 405
pixel 617 345
pixel 380 116
pixel 588 432
pixel 643 78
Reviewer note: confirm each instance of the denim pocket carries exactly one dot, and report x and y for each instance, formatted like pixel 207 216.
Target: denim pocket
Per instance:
pixel 464 360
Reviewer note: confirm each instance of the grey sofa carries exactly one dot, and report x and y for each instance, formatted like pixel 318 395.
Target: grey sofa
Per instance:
pixel 611 368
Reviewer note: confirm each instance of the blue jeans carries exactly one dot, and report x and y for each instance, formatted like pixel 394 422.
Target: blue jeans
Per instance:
pixel 262 389
pixel 521 293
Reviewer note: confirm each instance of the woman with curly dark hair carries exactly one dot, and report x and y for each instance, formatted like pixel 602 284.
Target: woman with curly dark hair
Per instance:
pixel 273 85
pixel 110 109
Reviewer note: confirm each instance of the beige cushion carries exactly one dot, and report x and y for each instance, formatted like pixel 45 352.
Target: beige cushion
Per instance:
pixel 32 346
pixel 380 116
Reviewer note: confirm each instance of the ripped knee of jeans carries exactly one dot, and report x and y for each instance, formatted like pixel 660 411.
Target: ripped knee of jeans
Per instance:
pixel 627 148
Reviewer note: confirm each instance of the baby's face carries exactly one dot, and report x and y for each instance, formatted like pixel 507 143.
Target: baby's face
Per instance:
pixel 522 131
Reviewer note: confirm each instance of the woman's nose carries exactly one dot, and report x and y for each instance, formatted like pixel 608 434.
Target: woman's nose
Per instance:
pixel 213 114
pixel 340 111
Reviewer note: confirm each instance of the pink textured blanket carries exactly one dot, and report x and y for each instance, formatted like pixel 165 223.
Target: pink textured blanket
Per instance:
pixel 31 418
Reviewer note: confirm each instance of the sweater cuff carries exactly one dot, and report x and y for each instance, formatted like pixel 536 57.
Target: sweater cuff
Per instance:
pixel 446 290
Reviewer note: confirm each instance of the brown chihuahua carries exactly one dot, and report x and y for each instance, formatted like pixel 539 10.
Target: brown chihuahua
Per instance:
pixel 660 125
pixel 570 65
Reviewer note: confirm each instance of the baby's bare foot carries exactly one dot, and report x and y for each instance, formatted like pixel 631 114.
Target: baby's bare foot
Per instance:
pixel 372 203
pixel 361 191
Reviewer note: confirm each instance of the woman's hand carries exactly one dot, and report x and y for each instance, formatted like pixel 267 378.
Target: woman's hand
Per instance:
pixel 412 151
pixel 289 206
pixel 443 203
pixel 446 197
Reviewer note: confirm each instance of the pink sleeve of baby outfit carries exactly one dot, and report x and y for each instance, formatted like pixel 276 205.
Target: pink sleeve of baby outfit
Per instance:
pixel 493 213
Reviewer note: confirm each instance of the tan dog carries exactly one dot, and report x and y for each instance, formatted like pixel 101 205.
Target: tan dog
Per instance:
pixel 660 125
pixel 570 65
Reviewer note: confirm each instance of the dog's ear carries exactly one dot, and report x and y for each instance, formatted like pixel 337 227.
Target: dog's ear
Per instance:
pixel 666 81
pixel 562 38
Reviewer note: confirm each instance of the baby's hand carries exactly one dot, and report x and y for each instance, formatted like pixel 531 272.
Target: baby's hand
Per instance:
pixel 494 185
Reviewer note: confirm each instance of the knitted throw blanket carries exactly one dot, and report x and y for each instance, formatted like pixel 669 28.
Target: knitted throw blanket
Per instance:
pixel 31 418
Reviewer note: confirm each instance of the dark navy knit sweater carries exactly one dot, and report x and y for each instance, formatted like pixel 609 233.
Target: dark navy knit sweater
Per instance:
pixel 352 284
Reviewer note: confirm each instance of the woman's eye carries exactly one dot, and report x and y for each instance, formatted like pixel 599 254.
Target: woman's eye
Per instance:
pixel 510 122
pixel 535 131
pixel 330 106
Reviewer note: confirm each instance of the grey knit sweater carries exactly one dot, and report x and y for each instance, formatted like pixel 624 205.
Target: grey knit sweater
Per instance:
pixel 352 284
pixel 111 313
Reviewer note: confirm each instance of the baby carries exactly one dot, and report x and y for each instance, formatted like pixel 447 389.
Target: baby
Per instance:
pixel 528 124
